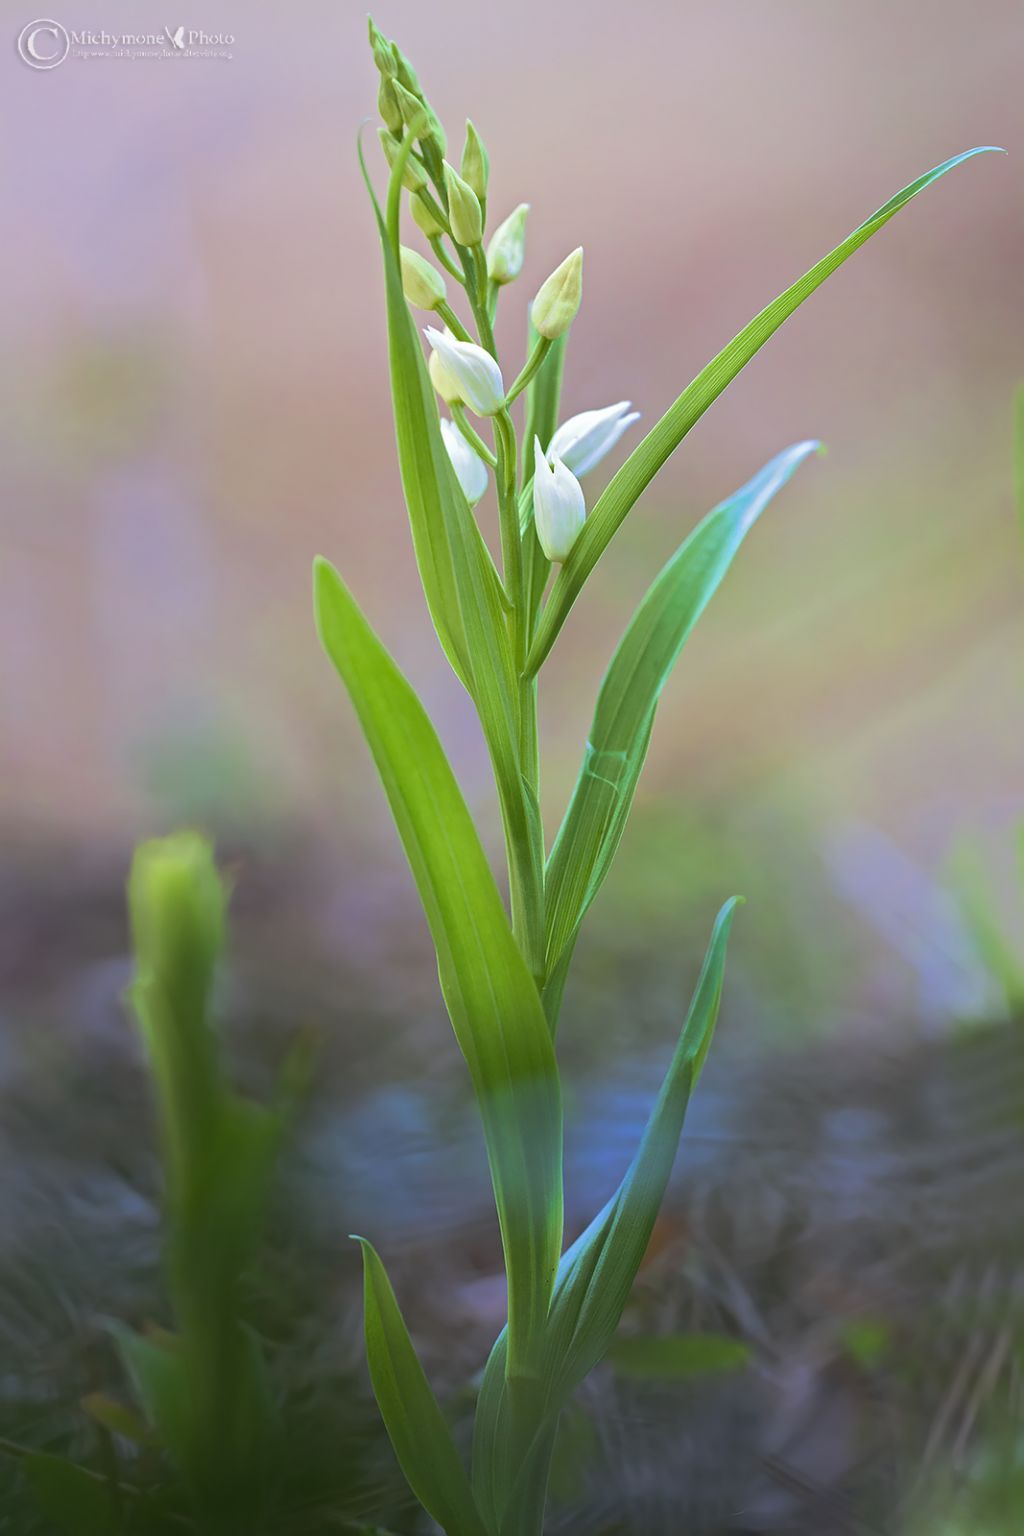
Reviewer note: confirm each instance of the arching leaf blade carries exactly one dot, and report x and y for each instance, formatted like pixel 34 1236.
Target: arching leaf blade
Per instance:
pixel 647 458
pixel 624 715
pixel 597 1272
pixel 415 1424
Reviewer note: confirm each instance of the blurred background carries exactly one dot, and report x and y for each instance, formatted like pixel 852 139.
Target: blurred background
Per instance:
pixel 194 404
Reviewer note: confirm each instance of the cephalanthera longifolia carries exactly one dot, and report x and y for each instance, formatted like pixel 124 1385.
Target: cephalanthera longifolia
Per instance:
pixel 502 972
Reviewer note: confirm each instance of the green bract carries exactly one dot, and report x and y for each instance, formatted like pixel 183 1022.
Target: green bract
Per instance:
pixel 503 974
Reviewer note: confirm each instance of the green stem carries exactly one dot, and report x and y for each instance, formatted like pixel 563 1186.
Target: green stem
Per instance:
pixel 452 321
pixel 471 435
pixel 437 246
pixel 533 362
pixel 508 505
pixel 474 265
pixel 526 868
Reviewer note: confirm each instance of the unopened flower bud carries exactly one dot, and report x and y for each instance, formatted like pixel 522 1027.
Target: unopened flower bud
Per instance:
pixel 413 111
pixel 436 131
pixel 559 509
pixel 475 371
pixel 419 117
pixel 558 298
pixel 383 56
pixel 387 105
pixel 507 247
pixel 475 162
pixel 423 217
pixel 422 283
pixel 445 382
pixel 583 440
pixel 404 70
pixel 414 176
pixel 464 213
pixel 470 469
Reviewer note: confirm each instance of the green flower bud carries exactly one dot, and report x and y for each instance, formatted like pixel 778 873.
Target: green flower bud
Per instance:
pixel 413 111
pixel 475 162
pixel 404 71
pixel 383 56
pixel 387 105
pixel 508 246
pixel 420 117
pixel 422 283
pixel 464 213
pixel 558 298
pixel 435 131
pixel 423 217
pixel 414 176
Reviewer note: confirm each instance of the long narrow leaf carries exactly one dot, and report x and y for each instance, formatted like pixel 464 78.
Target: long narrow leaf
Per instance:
pixel 415 1424
pixel 621 729
pixel 662 440
pixel 596 1274
pixel 491 997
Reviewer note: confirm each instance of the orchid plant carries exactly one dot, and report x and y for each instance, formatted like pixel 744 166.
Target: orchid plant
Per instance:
pixel 503 974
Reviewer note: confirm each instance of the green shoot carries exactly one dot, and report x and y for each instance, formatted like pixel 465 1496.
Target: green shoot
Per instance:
pixel 202 1388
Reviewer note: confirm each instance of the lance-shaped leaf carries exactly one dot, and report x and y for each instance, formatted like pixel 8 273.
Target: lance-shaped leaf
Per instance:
pixel 624 715
pixel 491 997
pixel 459 580
pixel 597 1272
pixel 415 1424
pixel 662 440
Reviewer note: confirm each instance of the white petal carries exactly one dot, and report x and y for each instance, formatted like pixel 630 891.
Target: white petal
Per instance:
pixel 583 440
pixel 559 507
pixel 478 374
pixel 470 469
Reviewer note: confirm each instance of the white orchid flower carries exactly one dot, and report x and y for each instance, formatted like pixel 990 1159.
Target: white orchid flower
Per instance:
pixel 583 440
pixel 470 469
pixel 478 375
pixel 559 508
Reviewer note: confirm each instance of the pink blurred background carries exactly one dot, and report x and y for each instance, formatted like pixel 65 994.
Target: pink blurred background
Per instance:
pixel 195 403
